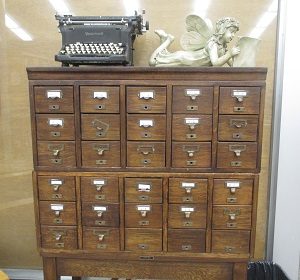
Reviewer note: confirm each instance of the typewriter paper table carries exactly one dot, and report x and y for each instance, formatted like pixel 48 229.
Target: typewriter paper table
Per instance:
pixel 146 173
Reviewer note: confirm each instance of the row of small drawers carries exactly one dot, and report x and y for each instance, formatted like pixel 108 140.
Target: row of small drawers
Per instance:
pixel 148 190
pixel 146 215
pixel 230 155
pixel 149 240
pixel 147 127
pixel 105 99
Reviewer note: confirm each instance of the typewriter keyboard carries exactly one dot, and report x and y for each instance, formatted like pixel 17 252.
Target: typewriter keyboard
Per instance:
pixel 93 49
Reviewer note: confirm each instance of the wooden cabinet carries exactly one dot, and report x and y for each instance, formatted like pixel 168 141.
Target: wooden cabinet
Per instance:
pixel 140 169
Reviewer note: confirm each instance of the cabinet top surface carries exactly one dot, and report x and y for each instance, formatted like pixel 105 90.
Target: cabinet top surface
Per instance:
pixel 134 72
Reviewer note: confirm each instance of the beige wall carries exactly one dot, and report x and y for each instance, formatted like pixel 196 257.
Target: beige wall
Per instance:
pixel 17 234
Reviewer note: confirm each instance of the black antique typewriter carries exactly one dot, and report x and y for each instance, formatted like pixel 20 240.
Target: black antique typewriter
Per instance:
pixel 106 40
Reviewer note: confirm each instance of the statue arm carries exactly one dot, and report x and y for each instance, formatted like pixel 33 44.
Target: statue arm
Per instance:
pixel 215 59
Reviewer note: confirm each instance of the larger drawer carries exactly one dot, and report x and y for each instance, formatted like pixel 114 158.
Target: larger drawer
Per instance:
pixel 187 215
pixel 143 240
pixel 60 237
pixel 101 239
pixel 146 154
pixel 146 127
pixel 56 154
pixel 53 99
pixel 100 153
pixel 54 213
pixel 232 155
pixel 100 214
pixel 99 99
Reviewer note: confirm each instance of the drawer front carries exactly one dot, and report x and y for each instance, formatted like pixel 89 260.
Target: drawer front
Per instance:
pixel 56 154
pixel 191 154
pixel 146 127
pixel 239 100
pixel 62 237
pixel 232 217
pixel 59 188
pixel 233 191
pixel 146 154
pixel 103 240
pixel 143 215
pixel 231 242
pixel 146 99
pixel 187 216
pixel 192 100
pixel 186 240
pixel 182 190
pixel 53 99
pixel 237 155
pixel 100 154
pixel 143 240
pixel 99 99
pixel 100 214
pixel 57 213
pixel 95 189
pixel 100 127
pixel 55 127
pixel 148 190
pixel 237 128
pixel 191 127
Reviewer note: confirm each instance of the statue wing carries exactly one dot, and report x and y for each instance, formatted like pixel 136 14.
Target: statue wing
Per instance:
pixel 198 32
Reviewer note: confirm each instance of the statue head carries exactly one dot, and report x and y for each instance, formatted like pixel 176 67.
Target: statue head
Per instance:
pixel 223 24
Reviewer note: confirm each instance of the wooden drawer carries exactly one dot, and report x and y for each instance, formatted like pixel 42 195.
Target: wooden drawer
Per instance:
pixel 146 99
pixel 182 190
pixel 104 240
pixel 100 214
pixel 232 217
pixel 100 127
pixel 56 188
pixel 191 154
pixel 147 190
pixel 146 127
pixel 237 128
pixel 233 191
pixel 56 154
pixel 187 215
pixel 239 100
pixel 191 127
pixel 53 99
pixel 54 213
pixel 186 240
pixel 143 215
pixel 100 154
pixel 97 189
pixel 192 100
pixel 143 240
pixel 146 154
pixel 59 237
pixel 99 99
pixel 231 241
pixel 55 127
pixel 237 155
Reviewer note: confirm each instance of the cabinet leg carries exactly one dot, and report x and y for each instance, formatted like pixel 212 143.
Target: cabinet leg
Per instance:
pixel 49 269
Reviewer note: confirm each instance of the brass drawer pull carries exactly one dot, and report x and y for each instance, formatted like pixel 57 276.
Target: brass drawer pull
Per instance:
pixel 55 149
pixel 191 150
pixel 55 184
pixel 98 184
pixel 146 94
pixel 232 213
pixel 146 150
pixel 239 94
pixel 146 123
pixel 187 211
pixel 57 208
pixel 56 122
pixel 238 123
pixel 237 149
pixel 143 209
pixel 192 93
pixel 99 210
pixel 101 148
pixel 100 95
pixel 188 186
pixel 54 94
pixel 192 122
pixel 232 185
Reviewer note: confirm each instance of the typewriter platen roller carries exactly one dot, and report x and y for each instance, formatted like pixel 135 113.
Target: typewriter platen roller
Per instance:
pixel 106 40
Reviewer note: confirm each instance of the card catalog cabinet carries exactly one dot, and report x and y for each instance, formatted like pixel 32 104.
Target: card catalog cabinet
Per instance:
pixel 146 172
